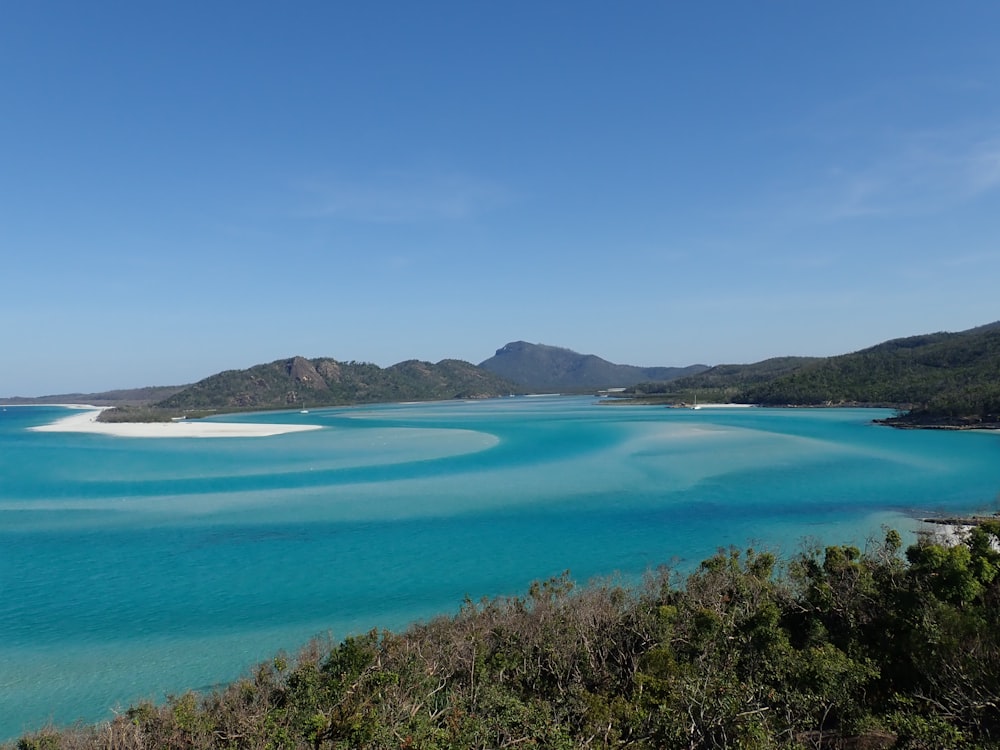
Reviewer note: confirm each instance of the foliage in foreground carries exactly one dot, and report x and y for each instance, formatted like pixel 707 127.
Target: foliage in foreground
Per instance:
pixel 839 649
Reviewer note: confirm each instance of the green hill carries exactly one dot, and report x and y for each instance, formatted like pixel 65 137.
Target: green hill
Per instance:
pixel 722 383
pixel 550 368
pixel 946 379
pixel 298 382
pixel 937 377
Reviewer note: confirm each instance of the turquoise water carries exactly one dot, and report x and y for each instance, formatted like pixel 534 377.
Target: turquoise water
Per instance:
pixel 133 568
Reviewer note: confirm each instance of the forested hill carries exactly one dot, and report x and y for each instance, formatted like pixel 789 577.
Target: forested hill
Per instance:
pixel 939 378
pixel 936 376
pixel 550 368
pixel 722 383
pixel 300 382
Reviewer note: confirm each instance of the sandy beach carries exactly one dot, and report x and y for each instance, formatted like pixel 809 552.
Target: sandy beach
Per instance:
pixel 86 421
pixel 698 407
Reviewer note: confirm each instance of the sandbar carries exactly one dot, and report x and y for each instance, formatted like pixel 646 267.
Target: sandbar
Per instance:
pixel 86 421
pixel 698 407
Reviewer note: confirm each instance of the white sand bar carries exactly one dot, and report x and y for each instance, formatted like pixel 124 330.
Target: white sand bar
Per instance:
pixel 86 421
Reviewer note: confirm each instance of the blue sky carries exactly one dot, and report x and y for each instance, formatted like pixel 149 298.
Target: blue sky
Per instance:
pixel 191 187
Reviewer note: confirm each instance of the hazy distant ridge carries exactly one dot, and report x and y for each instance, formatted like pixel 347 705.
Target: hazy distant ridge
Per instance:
pixel 119 397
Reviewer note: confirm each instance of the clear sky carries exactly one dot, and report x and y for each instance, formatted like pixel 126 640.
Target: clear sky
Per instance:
pixel 188 187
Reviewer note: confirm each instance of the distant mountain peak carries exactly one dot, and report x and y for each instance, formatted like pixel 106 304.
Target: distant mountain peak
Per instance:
pixel 545 367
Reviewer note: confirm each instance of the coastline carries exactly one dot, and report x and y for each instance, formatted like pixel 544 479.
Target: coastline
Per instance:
pixel 964 426
pixel 86 421
pixel 710 405
pixel 952 530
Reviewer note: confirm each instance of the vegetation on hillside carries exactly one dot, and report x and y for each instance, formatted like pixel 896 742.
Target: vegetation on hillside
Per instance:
pixel 326 382
pixel 945 374
pixel 941 378
pixel 719 384
pixel 838 648
pixel 300 382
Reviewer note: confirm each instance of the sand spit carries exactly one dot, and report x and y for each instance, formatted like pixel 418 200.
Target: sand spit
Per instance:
pixel 86 421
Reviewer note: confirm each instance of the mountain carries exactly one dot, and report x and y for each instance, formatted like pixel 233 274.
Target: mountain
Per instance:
pixel 550 368
pixel 298 382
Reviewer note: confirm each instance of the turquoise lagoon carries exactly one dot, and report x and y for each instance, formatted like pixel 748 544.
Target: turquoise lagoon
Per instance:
pixel 133 568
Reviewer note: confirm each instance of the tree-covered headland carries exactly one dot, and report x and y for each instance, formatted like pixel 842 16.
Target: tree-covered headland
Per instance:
pixel 834 648
pixel 938 379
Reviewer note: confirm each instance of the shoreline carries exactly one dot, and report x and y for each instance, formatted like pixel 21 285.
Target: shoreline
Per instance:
pixel 952 530
pixel 86 422
pixel 709 405
pixel 957 427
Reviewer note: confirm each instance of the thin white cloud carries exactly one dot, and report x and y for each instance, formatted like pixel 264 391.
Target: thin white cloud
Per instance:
pixel 983 169
pixel 918 173
pixel 396 198
pixel 970 259
pixel 897 148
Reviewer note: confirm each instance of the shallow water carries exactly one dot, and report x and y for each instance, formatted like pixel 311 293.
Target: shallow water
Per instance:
pixel 132 568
